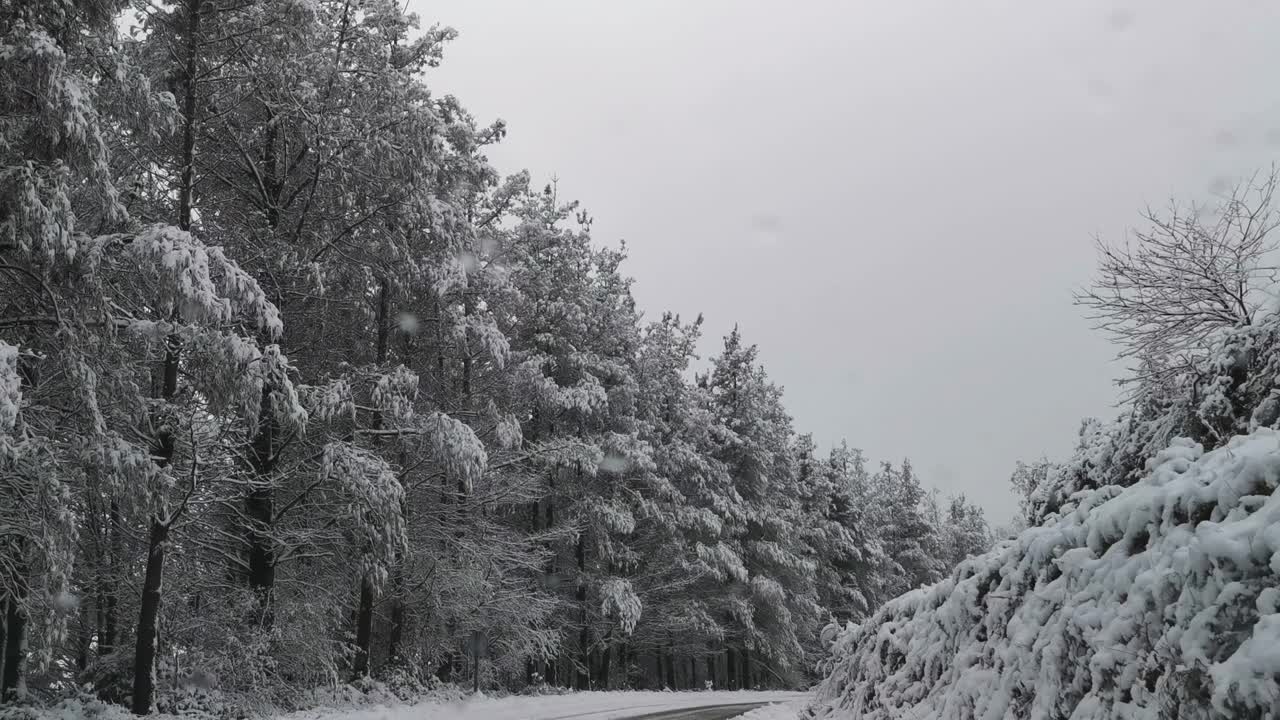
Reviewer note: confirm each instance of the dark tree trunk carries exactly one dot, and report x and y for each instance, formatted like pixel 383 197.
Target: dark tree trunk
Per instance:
pixel 84 637
pixel 671 671
pixel 602 677
pixel 259 506
pixel 396 633
pixel 625 657
pixel 4 623
pixel 382 347
pixel 553 670
pixel 584 633
pixel 711 669
pixel 15 625
pixel 475 661
pixel 364 629
pixel 145 649
pixel 148 614
pixel 107 643
pixel 100 621
pixel 144 654
pixel 730 668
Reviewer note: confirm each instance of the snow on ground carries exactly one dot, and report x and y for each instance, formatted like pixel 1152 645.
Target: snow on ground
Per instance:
pixel 1150 601
pixel 572 706
pixel 778 711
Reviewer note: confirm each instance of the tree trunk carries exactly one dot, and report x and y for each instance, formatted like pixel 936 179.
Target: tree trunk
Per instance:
pixel 671 671
pixel 148 614
pixel 4 624
pixel 107 643
pixel 364 616
pixel 730 668
pixel 145 649
pixel 364 629
pixel 711 669
pixel 478 642
pixel 553 669
pixel 84 638
pixel 602 677
pixel 396 634
pixel 584 633
pixel 259 504
pixel 15 624
pixel 625 657
pixel 259 507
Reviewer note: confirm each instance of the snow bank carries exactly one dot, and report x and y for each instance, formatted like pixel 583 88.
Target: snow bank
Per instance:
pixel 1155 600
pixel 777 711
pixel 578 706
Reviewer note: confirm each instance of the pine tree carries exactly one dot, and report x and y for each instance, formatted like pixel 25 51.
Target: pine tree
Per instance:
pixel 767 606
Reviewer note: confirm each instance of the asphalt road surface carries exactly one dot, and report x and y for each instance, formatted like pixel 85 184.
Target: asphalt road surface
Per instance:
pixel 706 712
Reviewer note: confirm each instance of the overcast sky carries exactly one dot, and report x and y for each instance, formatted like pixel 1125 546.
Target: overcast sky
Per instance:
pixel 894 199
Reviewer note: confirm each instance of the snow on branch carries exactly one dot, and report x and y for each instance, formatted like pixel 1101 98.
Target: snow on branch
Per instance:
pixel 374 499
pixel 10 387
pixel 197 282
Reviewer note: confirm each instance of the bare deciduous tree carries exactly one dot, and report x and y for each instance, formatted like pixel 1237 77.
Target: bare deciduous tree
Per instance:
pixel 1167 288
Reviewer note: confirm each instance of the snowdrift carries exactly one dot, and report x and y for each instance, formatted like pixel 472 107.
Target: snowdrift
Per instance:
pixel 1157 600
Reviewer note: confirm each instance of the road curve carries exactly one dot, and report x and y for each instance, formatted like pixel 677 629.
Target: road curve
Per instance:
pixel 706 712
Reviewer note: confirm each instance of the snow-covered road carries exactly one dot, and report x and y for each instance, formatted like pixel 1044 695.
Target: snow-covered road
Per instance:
pixel 574 706
pixel 712 712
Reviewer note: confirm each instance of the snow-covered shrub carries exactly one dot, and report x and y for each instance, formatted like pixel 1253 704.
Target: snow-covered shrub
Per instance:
pixel 1229 391
pixel 1155 600
pixel 78 707
pixel 410 682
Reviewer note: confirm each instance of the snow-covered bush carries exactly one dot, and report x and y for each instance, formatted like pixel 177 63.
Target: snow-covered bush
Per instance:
pixel 1155 600
pixel 79 707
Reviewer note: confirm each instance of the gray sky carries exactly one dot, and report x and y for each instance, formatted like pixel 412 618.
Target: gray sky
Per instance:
pixel 893 199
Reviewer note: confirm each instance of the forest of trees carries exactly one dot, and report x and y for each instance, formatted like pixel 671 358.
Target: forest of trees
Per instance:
pixel 296 390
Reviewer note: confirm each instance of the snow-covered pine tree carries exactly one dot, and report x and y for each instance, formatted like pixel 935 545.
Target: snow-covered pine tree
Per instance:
pixel 908 534
pixel 849 559
pixel 766 608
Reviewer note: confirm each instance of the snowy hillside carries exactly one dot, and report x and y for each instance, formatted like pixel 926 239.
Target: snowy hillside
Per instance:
pixel 1155 600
